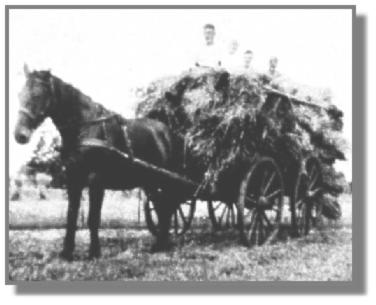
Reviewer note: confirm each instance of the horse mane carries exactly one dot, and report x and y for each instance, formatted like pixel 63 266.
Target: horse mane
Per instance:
pixel 77 95
pixel 63 88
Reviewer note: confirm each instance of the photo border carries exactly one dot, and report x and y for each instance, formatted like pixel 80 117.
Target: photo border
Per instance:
pixel 356 286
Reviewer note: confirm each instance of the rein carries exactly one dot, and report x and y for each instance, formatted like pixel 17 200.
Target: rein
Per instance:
pixel 30 115
pixel 26 112
pixel 87 123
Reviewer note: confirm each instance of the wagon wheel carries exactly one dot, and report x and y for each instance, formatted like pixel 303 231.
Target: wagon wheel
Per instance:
pixel 306 208
pixel 181 219
pixel 222 215
pixel 260 203
pixel 183 216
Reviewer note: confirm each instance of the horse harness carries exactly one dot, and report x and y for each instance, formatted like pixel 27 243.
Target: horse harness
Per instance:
pixel 103 121
pixel 87 140
pixel 100 120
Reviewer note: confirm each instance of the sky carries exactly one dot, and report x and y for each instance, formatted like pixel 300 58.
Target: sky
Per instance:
pixel 107 53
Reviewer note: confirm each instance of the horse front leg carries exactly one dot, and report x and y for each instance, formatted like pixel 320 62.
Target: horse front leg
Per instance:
pixel 74 198
pixel 96 194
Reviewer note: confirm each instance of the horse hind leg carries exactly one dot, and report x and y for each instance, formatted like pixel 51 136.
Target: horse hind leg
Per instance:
pixel 164 211
pixel 96 194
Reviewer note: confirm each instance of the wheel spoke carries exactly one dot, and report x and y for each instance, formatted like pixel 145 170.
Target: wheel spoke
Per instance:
pixel 250 199
pixel 218 205
pixel 262 230
pixel 266 220
pixel 313 183
pixel 221 217
pixel 269 183
pixel 264 180
pixel 274 194
pixel 257 229
pixel 233 214
pixel 182 216
pixel 176 223
pixel 253 216
pixel 307 217
pixel 228 214
pixel 154 215
pixel 316 191
pixel 298 204
pixel 303 220
pixel 313 179
pixel 312 173
pixel 253 223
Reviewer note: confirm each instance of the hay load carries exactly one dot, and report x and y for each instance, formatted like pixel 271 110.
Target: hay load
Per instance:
pixel 225 120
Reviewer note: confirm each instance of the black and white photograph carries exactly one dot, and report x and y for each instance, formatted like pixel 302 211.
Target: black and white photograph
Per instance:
pixel 180 144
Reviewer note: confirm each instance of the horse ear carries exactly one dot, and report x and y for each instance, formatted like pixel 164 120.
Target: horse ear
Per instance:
pixel 26 69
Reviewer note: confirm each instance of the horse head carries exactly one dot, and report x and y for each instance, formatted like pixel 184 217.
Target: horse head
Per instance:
pixel 36 103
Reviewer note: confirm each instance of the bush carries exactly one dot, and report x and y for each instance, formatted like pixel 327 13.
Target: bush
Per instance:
pixel 46 159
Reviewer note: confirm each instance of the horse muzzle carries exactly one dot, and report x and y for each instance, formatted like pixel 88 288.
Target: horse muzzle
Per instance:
pixel 22 135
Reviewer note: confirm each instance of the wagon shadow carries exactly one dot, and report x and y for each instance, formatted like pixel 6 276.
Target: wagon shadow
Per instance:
pixel 200 236
pixel 121 244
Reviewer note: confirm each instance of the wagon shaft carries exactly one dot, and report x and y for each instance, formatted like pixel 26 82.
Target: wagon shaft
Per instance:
pixel 168 176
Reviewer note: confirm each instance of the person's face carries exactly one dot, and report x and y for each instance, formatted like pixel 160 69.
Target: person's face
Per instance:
pixel 233 47
pixel 248 59
pixel 209 35
pixel 273 63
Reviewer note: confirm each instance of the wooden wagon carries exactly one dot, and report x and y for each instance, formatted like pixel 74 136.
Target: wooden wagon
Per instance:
pixel 257 197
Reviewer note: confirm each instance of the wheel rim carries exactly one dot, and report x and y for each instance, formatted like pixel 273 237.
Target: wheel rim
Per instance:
pixel 307 190
pixel 260 202
pixel 222 215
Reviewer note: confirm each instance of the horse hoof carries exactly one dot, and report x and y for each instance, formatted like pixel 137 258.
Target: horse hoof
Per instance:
pixel 161 247
pixel 94 255
pixel 68 256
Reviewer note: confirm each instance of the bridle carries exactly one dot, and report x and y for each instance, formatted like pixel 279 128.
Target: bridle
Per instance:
pixel 27 113
pixel 31 115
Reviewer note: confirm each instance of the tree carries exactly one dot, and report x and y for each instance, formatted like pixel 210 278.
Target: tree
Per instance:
pixel 46 159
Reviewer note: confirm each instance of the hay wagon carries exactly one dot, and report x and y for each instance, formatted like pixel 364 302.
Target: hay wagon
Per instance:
pixel 251 199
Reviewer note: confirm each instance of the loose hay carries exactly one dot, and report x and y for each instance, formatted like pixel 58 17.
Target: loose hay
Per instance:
pixel 225 120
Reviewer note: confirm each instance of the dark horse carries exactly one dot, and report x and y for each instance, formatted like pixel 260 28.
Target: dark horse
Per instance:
pixel 78 118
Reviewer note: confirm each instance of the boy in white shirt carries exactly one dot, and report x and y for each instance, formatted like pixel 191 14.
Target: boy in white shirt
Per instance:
pixel 272 72
pixel 209 55
pixel 247 63
pixel 232 60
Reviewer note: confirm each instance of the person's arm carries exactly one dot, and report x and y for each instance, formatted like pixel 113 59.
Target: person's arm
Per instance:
pixel 197 59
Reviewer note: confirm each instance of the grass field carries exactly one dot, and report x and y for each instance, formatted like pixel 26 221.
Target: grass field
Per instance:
pixel 325 254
